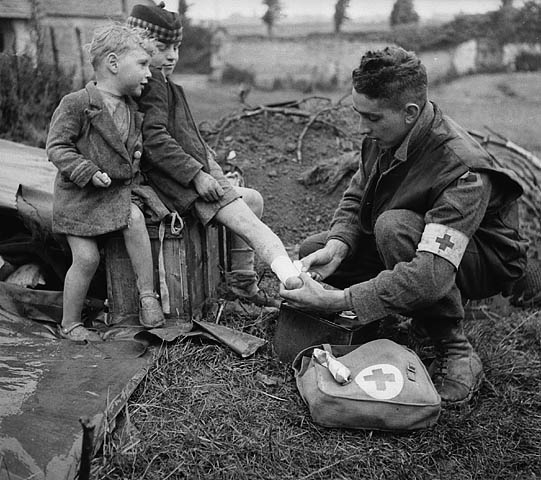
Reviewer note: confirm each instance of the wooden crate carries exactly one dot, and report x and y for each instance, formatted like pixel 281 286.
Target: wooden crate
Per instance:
pixel 194 261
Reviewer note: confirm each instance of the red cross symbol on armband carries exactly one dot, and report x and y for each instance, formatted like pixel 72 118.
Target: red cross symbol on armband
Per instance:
pixel 445 242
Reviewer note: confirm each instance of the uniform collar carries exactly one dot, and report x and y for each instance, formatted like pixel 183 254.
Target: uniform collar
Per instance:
pixel 411 142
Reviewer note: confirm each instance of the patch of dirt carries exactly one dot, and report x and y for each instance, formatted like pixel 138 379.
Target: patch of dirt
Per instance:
pixel 266 148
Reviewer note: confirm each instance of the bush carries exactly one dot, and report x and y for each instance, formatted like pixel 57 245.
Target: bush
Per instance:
pixel 29 93
pixel 528 62
pixel 195 50
pixel 232 74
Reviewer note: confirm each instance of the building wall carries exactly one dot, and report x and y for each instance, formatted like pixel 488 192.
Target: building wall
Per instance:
pixel 65 31
pixel 65 40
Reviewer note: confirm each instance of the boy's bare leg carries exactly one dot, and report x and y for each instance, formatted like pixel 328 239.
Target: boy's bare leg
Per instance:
pixel 238 217
pixel 139 250
pixel 138 247
pixel 86 258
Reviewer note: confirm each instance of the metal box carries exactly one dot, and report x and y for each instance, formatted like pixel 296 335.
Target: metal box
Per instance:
pixel 297 330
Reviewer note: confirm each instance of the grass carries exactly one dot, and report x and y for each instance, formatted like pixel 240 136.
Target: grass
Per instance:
pixel 204 413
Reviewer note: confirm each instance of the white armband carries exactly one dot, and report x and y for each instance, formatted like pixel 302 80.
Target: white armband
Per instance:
pixel 444 241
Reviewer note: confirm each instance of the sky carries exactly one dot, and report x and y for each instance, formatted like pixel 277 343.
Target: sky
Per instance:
pixel 221 9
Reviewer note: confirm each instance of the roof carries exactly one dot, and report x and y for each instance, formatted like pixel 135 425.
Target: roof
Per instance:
pixel 68 8
pixel 15 9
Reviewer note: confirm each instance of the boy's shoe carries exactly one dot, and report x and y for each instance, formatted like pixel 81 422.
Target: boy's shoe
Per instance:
pixel 150 311
pixel 243 284
pixel 79 333
pixel 263 299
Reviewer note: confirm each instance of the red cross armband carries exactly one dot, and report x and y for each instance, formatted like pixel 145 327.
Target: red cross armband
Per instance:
pixel 444 242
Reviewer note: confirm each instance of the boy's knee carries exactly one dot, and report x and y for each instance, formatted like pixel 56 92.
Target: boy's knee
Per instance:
pixel 87 258
pixel 253 199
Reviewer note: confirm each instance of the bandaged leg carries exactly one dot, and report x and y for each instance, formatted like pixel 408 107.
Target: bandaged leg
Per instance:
pixel 242 221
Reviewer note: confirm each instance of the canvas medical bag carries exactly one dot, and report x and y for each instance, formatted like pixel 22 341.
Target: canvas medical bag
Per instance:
pixel 388 387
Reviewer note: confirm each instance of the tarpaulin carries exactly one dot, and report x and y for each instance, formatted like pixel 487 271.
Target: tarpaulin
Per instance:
pixel 46 385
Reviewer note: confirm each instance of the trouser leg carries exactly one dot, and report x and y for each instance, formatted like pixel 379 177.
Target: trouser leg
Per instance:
pixel 457 370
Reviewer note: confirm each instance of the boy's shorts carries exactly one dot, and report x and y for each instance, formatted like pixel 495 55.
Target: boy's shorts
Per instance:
pixel 206 211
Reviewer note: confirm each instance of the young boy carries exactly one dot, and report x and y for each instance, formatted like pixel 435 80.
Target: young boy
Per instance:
pixel 95 142
pixel 182 168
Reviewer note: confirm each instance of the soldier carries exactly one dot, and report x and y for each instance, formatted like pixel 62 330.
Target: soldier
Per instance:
pixel 426 223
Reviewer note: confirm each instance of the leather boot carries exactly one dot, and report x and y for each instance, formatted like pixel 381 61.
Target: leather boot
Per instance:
pixel 243 284
pixel 457 371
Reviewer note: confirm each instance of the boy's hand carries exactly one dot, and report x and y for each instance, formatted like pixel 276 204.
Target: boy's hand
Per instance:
pixel 207 187
pixel 101 180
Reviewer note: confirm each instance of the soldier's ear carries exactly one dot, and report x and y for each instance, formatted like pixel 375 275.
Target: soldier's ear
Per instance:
pixel 412 111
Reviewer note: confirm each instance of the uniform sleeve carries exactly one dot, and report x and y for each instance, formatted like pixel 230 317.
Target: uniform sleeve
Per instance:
pixel 345 224
pixel 64 132
pixel 161 149
pixel 449 225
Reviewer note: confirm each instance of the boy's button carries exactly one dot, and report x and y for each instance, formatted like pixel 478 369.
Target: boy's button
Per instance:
pixel 127 182
pixel 137 154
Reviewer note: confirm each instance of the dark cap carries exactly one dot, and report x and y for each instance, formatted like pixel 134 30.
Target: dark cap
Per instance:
pixel 162 24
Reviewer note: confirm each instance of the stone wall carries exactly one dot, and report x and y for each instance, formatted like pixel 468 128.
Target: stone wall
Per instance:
pixel 328 61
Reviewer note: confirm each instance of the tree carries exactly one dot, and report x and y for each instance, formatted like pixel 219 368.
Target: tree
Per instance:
pixel 182 8
pixel 273 13
pixel 528 22
pixel 340 16
pixel 403 12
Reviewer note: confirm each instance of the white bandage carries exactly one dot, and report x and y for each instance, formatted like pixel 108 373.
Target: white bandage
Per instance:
pixel 338 370
pixel 283 268
pixel 443 241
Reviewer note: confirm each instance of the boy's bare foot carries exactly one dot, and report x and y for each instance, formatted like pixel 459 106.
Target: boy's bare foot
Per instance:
pixel 77 332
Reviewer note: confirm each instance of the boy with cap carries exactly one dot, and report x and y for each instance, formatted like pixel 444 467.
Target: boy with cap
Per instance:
pixel 182 168
pixel 95 142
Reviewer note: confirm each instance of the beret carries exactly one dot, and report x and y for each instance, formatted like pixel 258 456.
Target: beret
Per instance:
pixel 162 24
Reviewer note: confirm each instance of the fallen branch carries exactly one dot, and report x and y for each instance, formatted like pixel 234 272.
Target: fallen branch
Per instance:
pixel 312 119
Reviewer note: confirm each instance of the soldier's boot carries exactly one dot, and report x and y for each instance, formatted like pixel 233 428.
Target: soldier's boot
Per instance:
pixel 457 371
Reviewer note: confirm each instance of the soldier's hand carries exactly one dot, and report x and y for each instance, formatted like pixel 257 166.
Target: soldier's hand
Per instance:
pixel 325 261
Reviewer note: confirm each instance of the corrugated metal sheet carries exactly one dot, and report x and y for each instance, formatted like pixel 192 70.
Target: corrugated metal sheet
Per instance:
pixel 20 164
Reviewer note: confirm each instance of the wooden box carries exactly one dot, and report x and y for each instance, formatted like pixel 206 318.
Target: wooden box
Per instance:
pixel 194 261
pixel 297 330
